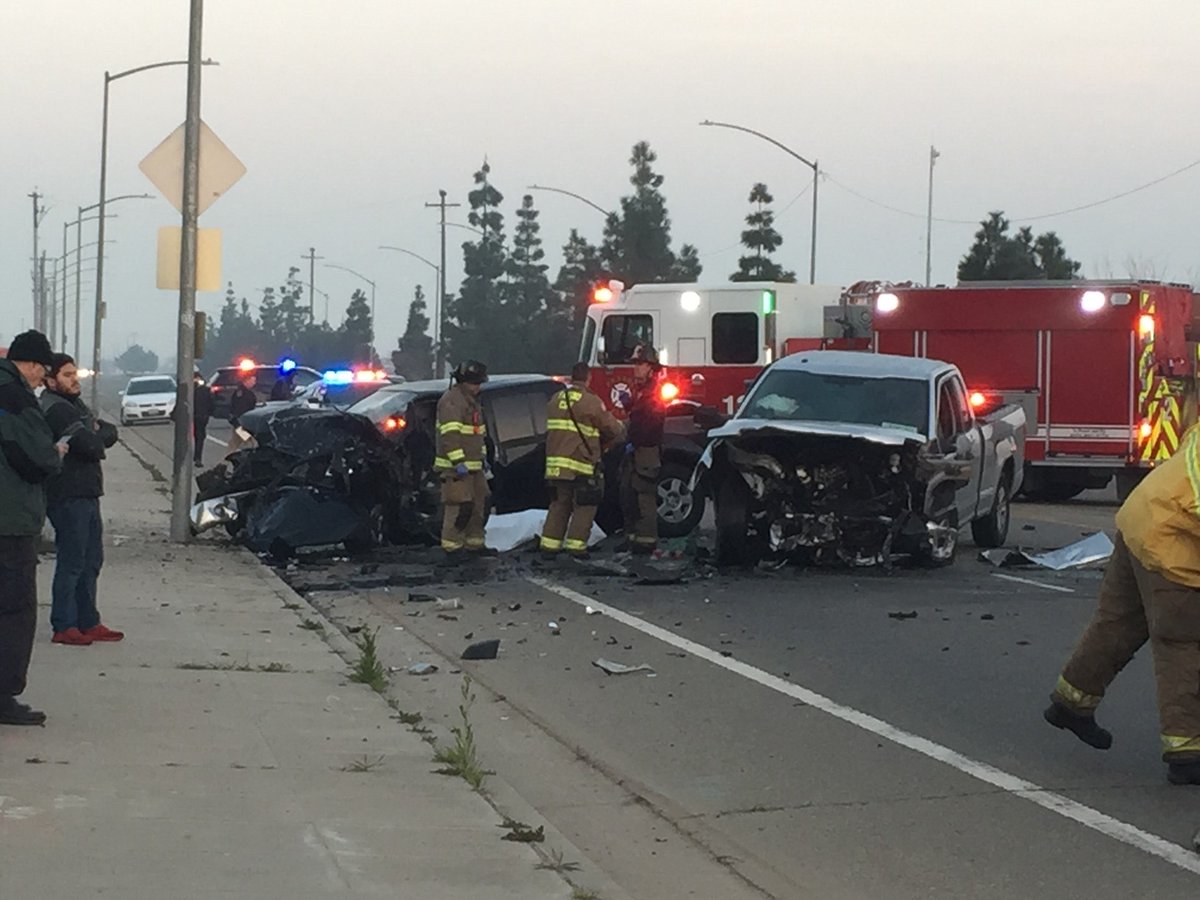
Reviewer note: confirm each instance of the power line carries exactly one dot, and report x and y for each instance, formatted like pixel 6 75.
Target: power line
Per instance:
pixel 1049 215
pixel 784 209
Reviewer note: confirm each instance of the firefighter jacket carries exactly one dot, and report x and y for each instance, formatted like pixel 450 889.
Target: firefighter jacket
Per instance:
pixel 461 431
pixel 646 415
pixel 577 428
pixel 1160 521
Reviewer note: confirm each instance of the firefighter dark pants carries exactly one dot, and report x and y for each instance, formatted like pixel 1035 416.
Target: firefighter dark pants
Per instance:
pixel 465 502
pixel 639 495
pixel 18 610
pixel 200 435
pixel 1137 605
pixel 568 522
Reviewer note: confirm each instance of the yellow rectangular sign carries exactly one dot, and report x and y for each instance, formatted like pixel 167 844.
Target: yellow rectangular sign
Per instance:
pixel 208 258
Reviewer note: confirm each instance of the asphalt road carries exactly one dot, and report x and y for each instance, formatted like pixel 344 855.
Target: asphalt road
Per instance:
pixel 820 746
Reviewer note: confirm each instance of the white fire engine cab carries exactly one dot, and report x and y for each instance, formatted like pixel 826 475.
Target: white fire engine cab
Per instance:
pixel 711 338
pixel 1106 370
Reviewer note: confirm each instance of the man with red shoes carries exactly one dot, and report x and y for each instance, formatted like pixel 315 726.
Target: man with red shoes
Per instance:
pixel 73 500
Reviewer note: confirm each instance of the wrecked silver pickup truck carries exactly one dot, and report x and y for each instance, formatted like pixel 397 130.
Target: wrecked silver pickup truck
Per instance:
pixel 855 458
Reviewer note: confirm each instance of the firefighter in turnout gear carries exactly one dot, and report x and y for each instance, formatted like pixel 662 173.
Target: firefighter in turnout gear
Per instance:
pixel 643 458
pixel 578 427
pixel 1150 592
pixel 462 459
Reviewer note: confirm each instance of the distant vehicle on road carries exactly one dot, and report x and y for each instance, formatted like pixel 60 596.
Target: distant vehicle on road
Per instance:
pixel 148 398
pixel 332 391
pixel 850 457
pixel 226 378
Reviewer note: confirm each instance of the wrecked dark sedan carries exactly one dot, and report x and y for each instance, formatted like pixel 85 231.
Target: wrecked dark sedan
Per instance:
pixel 853 458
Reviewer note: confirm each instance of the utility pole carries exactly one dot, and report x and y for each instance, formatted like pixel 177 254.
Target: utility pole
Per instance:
pixel 440 312
pixel 41 281
pixel 39 213
pixel 78 279
pixel 185 346
pixel 933 155
pixel 312 272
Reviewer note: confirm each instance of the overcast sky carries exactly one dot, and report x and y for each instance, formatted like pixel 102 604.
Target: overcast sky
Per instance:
pixel 350 115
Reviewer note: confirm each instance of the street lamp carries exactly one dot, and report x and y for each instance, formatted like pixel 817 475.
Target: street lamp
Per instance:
pixel 812 259
pixel 580 198
pixel 99 311
pixel 465 227
pixel 437 319
pixel 364 278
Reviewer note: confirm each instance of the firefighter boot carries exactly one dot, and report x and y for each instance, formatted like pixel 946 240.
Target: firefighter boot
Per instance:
pixel 1082 725
pixel 1184 771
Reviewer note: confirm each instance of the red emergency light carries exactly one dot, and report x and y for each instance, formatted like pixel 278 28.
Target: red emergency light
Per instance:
pixel 1145 429
pixel 247 365
pixel 602 294
pixel 1146 325
pixel 668 391
pixel 977 399
pixel 394 423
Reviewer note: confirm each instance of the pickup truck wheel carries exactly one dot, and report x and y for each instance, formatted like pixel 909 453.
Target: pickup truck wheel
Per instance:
pixel 735 546
pixel 679 508
pixel 992 529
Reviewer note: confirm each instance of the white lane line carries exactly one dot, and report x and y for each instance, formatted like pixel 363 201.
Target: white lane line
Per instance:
pixel 1041 584
pixel 218 441
pixel 988 774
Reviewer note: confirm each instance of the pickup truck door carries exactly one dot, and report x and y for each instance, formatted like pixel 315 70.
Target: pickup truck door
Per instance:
pixel 516 422
pixel 954 455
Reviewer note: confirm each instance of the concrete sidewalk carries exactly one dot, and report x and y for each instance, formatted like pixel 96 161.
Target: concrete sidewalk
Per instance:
pixel 205 756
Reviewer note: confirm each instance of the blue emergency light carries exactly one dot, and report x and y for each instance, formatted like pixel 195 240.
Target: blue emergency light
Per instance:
pixel 337 376
pixel 287 365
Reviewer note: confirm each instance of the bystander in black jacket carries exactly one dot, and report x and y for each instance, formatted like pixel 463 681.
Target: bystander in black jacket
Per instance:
pixel 88 438
pixel 202 403
pixel 242 401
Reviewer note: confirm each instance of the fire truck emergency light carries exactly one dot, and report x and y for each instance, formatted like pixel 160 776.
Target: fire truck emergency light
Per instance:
pixel 246 365
pixel 690 301
pixel 669 391
pixel 1144 430
pixel 1146 325
pixel 768 302
pixel 602 294
pixel 1092 301
pixel 977 399
pixel 887 303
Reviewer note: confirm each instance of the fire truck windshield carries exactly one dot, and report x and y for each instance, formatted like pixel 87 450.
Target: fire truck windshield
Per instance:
pixel 809 397
pixel 621 333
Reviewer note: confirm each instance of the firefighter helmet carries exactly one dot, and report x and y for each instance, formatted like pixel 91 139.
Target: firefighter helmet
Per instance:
pixel 472 371
pixel 644 353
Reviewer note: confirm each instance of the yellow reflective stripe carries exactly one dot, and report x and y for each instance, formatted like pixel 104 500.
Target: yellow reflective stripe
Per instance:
pixel 456 454
pixel 549 543
pixel 575 545
pixel 639 539
pixel 461 428
pixel 568 425
pixel 1191 460
pixel 1074 697
pixel 571 465
pixel 474 543
pixel 565 397
pixel 451 545
pixel 1177 744
pixel 473 465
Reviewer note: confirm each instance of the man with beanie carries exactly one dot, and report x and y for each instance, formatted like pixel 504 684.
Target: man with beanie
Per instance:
pixel 73 504
pixel 28 456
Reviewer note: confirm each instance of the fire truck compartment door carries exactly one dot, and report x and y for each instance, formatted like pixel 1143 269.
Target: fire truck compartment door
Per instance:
pixel 691 352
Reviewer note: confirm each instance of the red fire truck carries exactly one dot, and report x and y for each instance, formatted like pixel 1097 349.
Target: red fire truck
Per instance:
pixel 1106 370
pixel 712 338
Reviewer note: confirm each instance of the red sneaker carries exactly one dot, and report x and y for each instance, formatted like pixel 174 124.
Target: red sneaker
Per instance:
pixel 72 637
pixel 103 633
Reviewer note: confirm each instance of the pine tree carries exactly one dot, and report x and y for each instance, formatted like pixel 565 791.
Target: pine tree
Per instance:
pixel 270 319
pixel 581 270
pixel 535 325
pixel 637 242
pixel 761 240
pixel 356 331
pixel 293 311
pixel 413 356
pixel 997 256
pixel 476 314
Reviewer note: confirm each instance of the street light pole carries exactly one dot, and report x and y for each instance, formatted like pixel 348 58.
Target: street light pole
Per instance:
pixel 812 261
pixel 440 312
pixel 99 310
pixel 579 197
pixel 185 346
pixel 368 281
pixel 933 155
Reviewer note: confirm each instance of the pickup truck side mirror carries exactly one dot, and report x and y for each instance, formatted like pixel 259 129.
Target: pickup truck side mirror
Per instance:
pixel 708 418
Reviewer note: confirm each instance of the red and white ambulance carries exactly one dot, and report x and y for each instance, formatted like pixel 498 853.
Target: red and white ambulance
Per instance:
pixel 1106 370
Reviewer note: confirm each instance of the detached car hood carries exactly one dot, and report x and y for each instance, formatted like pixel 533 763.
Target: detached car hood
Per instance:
pixel 876 434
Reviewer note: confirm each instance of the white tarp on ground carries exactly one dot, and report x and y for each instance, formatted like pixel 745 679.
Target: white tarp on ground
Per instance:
pixel 1092 549
pixel 511 530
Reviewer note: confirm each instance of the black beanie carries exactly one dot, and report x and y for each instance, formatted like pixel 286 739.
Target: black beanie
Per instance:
pixel 58 360
pixel 31 346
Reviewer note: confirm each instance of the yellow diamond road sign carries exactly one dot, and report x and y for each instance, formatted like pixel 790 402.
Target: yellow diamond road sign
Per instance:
pixel 219 168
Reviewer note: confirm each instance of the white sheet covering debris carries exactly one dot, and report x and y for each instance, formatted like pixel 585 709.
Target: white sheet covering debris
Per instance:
pixel 511 530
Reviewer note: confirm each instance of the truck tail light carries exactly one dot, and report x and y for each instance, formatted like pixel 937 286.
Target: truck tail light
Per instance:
pixel 394 423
